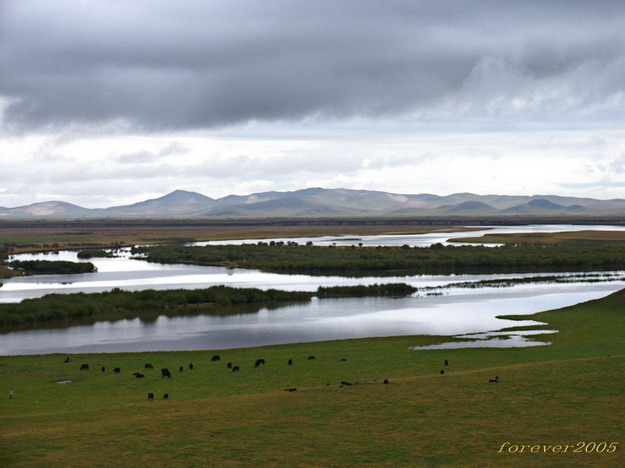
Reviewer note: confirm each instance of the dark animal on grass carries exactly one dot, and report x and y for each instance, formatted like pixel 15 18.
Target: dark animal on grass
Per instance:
pixel 84 367
pixel 148 366
pixel 343 359
pixel 191 366
pixel 290 362
pixel 66 359
pixel 442 371
pixel 229 365
pixel 291 390
pixel 166 396
pixel 138 375
pixel 311 357
pixel 150 396
pixel 103 369
pixel 446 362
pixel 181 369
pixel 165 373
pixel 259 362
pixel 117 370
pixel 345 383
pixel 495 380
pixel 385 381
pixel 215 357
pixel 235 369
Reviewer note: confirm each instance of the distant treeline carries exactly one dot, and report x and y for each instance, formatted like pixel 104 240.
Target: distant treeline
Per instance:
pixel 51 267
pixel 120 304
pixel 437 259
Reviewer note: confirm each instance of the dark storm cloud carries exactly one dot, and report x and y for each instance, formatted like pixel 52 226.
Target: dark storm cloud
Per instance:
pixel 171 65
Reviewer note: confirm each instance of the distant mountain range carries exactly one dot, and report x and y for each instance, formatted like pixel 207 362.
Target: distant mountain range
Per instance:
pixel 319 202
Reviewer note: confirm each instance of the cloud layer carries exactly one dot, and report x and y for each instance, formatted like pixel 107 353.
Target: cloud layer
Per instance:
pixel 106 102
pixel 159 65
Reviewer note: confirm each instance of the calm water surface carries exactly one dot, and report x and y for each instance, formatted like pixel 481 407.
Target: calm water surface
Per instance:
pixel 321 319
pixel 458 311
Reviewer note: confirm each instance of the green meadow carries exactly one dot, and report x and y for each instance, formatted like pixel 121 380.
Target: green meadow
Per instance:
pixel 568 395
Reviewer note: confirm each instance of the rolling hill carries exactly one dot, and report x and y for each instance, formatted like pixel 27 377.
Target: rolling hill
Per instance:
pixel 319 202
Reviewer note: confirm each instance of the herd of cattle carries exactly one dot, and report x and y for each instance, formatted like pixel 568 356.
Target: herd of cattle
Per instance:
pixel 165 373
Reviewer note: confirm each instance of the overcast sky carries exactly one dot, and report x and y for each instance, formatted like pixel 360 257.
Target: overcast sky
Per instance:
pixel 111 102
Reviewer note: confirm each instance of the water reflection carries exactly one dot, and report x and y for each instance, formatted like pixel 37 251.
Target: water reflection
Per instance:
pixel 455 312
pixel 497 339
pixel 326 319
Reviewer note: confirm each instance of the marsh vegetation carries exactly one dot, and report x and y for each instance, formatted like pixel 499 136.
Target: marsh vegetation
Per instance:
pixel 436 259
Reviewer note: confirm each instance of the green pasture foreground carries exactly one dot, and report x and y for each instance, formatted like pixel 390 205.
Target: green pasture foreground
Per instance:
pixel 569 394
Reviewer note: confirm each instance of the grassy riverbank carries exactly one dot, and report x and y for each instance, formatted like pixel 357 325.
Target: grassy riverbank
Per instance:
pixel 6 272
pixel 568 393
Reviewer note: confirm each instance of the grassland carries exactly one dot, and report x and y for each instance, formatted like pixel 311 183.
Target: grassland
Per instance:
pixel 563 394
pixel 578 237
pixel 37 236
pixel 6 272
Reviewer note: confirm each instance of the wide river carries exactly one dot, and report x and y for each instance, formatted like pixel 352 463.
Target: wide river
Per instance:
pixel 456 311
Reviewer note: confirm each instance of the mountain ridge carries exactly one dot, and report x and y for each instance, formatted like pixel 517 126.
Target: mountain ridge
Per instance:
pixel 320 202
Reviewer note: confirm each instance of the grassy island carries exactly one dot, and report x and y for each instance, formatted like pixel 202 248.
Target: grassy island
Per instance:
pixel 437 259
pixel 51 267
pixel 95 253
pixel 148 304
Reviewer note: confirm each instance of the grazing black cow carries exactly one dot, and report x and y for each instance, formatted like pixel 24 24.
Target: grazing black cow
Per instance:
pixel 103 369
pixel 84 367
pixel 446 362
pixel 291 389
pixel 235 369
pixel 66 359
pixel 229 365
pixel 259 362
pixel 290 362
pixel 343 359
pixel 138 375
pixel 117 370
pixel 345 383
pixel 385 381
pixel 191 366
pixel 165 373
pixel 166 396
pixel 148 366
pixel 150 396
pixel 180 369
pixel 442 371
pixel 215 357
pixel 311 357
pixel 495 380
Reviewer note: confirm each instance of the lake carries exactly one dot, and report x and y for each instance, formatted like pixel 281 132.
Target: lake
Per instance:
pixel 456 311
